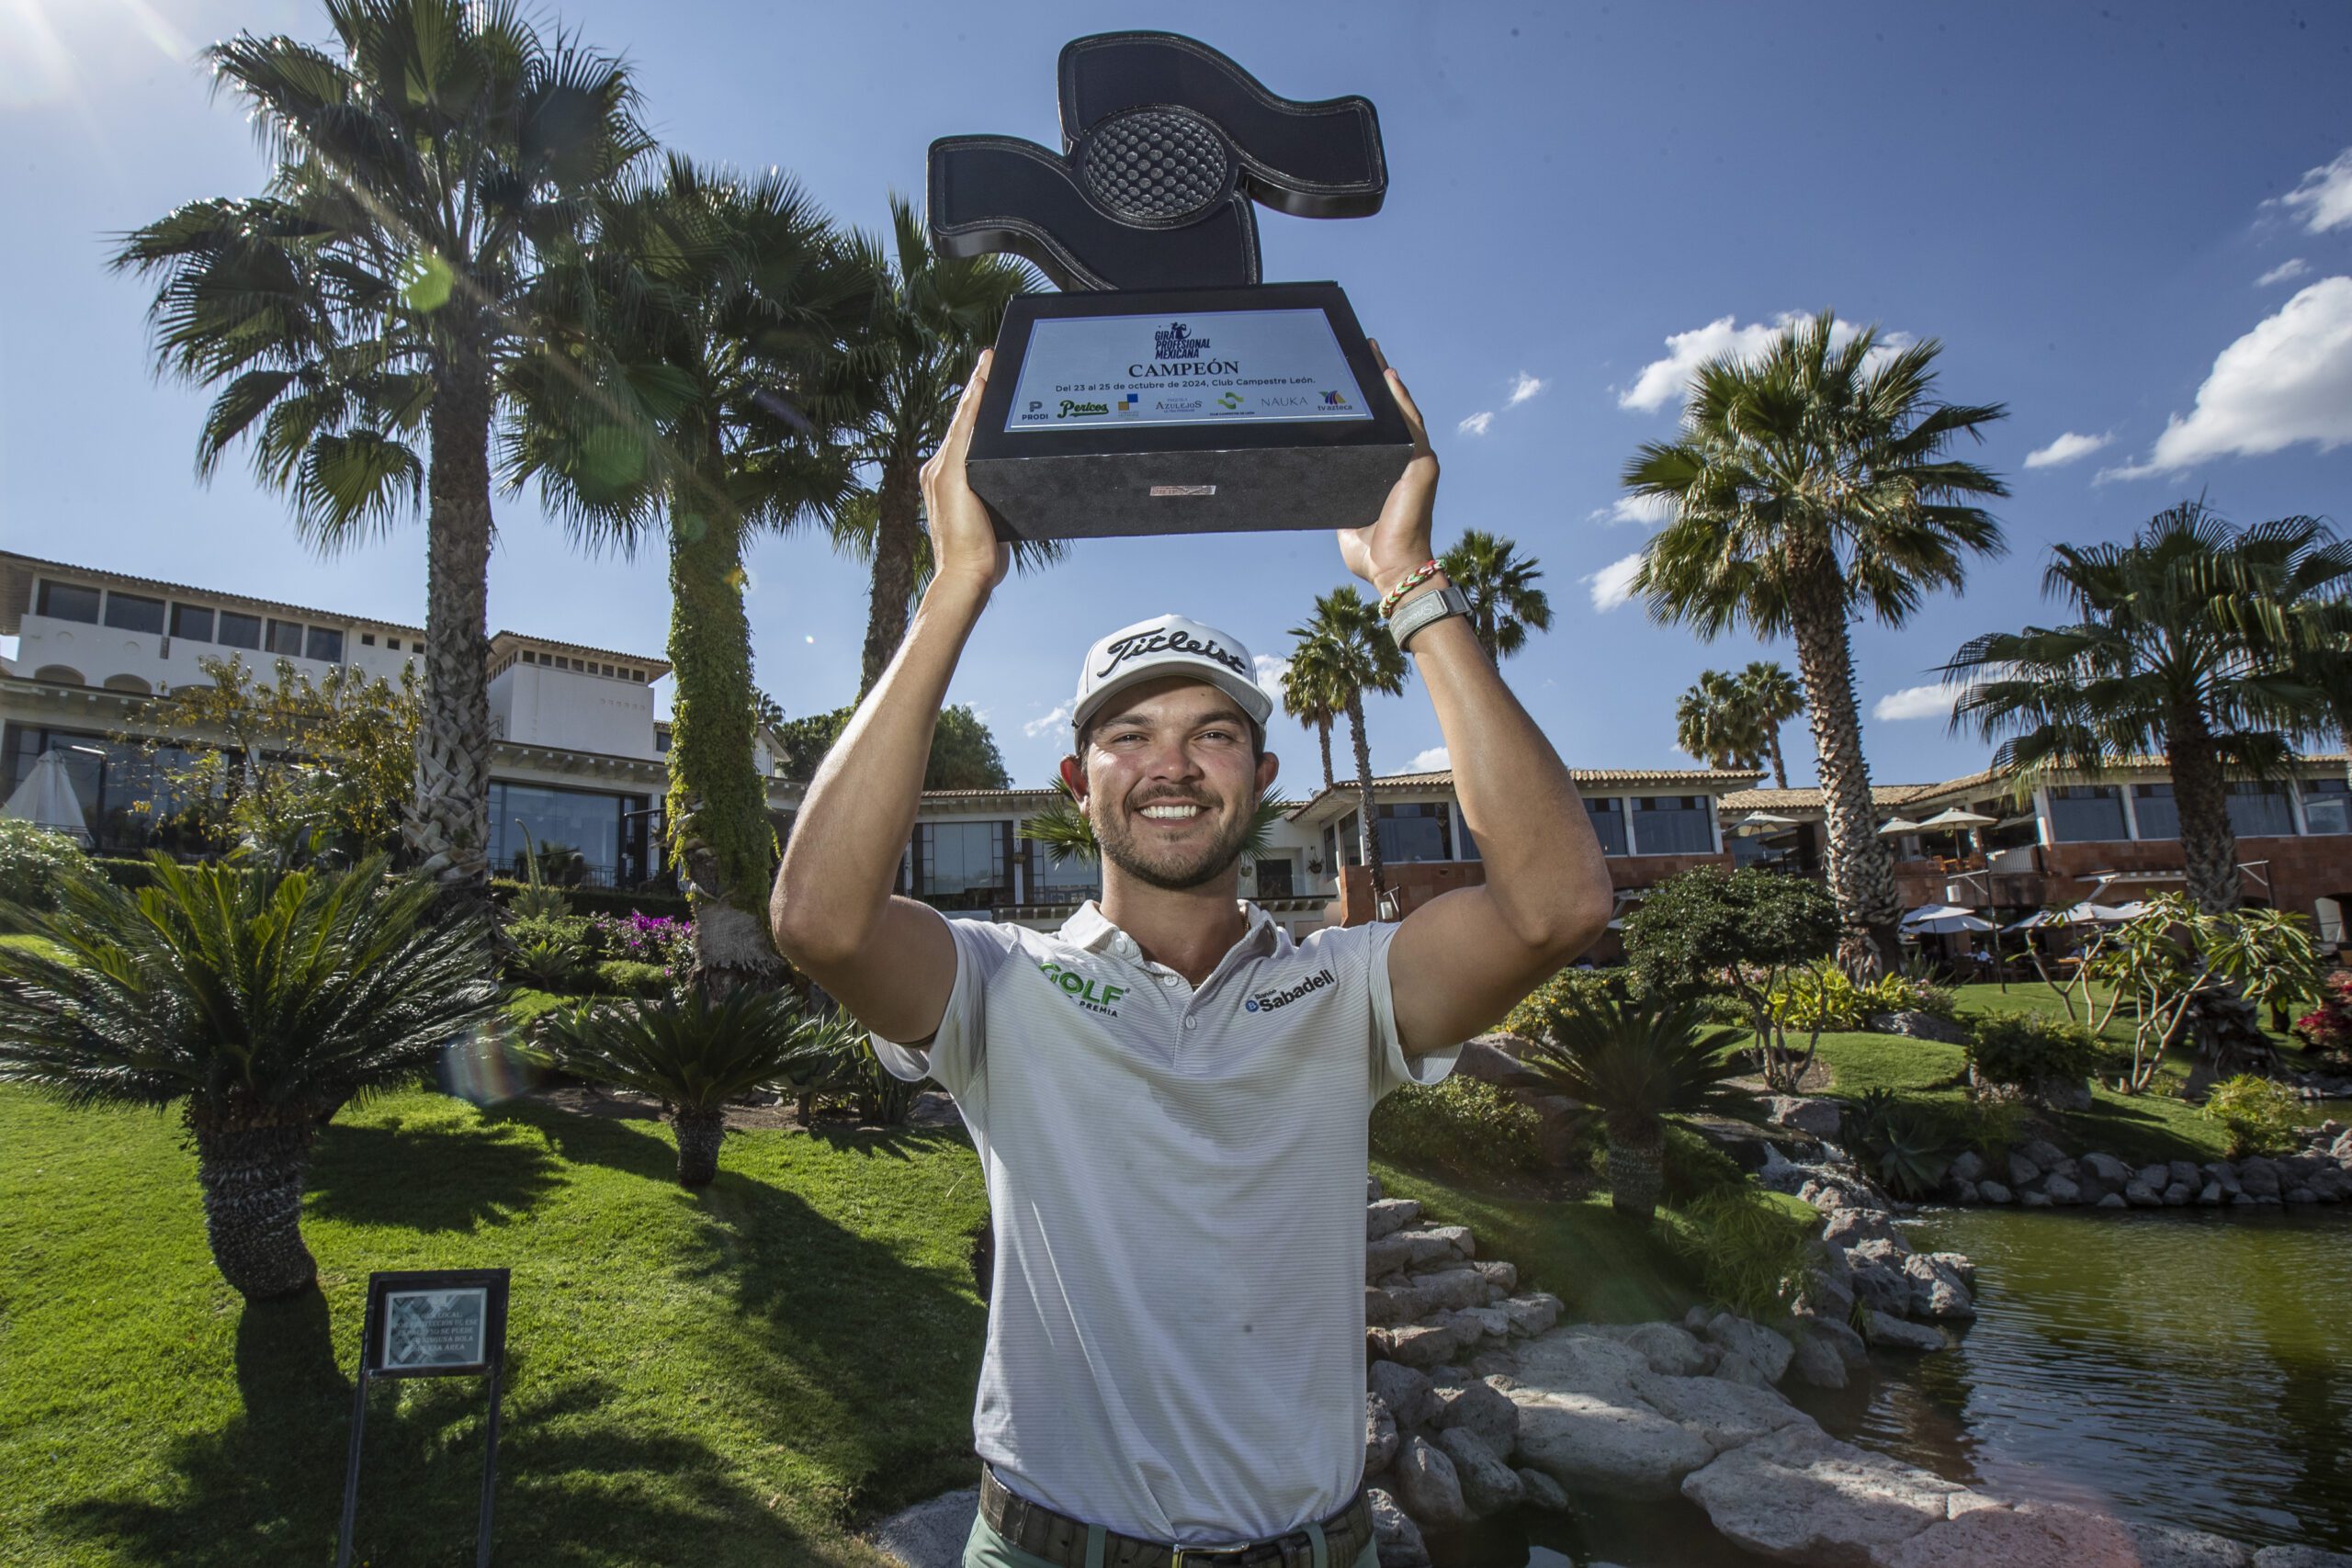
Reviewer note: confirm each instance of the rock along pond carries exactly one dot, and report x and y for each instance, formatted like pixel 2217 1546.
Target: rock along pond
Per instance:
pixel 2187 1366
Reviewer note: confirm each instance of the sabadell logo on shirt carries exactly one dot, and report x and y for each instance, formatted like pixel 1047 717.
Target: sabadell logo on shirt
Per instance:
pixel 1266 1001
pixel 1095 996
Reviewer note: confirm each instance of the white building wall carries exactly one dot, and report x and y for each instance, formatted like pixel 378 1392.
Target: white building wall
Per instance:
pixel 534 704
pixel 99 653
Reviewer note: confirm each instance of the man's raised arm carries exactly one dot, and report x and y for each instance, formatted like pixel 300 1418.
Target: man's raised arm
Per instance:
pixel 890 960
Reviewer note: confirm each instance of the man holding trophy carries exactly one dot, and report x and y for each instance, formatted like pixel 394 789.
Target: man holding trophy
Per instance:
pixel 1168 1095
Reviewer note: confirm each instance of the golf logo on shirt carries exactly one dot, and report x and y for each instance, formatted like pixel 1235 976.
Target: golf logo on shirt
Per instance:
pixel 1095 996
pixel 1268 1000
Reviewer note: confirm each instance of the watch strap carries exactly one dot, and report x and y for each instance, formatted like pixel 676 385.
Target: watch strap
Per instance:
pixel 1423 609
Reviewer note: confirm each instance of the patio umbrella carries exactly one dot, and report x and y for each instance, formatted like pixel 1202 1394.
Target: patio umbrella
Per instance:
pixel 1946 924
pixel 47 798
pixel 1956 818
pixel 1898 825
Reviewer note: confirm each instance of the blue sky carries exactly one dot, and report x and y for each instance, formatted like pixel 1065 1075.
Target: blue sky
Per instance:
pixel 2131 223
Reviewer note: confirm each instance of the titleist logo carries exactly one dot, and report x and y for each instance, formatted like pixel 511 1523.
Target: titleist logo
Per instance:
pixel 1164 642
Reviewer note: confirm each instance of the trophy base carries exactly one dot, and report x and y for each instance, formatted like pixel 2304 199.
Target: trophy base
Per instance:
pixel 1185 411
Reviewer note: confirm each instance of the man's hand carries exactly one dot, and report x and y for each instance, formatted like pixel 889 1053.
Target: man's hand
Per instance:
pixel 965 549
pixel 1398 542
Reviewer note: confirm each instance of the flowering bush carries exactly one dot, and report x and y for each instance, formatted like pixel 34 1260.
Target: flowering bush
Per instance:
pixel 2326 1029
pixel 664 940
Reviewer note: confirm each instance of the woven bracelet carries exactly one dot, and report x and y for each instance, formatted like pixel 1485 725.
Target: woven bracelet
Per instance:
pixel 1389 601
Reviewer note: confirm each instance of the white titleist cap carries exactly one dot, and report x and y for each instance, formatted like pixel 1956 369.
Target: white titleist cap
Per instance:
pixel 1161 647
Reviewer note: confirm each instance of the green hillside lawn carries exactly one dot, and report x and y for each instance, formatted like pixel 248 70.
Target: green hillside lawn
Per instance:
pixel 737 1376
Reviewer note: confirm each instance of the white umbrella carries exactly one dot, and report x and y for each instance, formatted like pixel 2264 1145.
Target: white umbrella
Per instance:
pixel 1934 912
pixel 1956 818
pixel 48 799
pixel 1900 825
pixel 1943 920
pixel 2083 914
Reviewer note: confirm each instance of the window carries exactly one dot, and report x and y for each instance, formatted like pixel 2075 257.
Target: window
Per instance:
pixel 126 800
pixel 2157 813
pixel 1412 831
pixel 239 630
pixel 662 739
pixel 2327 806
pixel 69 601
pixel 2083 814
pixel 392 643
pixel 1274 879
pixel 1608 816
pixel 605 832
pixel 529 658
pixel 325 645
pixel 1064 879
pixel 961 859
pixel 366 639
pixel 192 623
pixel 286 638
pixel 134 612
pixel 2259 810
pixel 1672 825
pixel 1330 848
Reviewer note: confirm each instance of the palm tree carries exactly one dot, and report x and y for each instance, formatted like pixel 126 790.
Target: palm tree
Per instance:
pixel 1808 484
pixel 935 315
pixel 1714 722
pixel 1772 697
pixel 2178 649
pixel 258 1001
pixel 1346 644
pixel 686 388
pixel 693 1054
pixel 356 316
pixel 1505 603
pixel 1312 698
pixel 1637 1064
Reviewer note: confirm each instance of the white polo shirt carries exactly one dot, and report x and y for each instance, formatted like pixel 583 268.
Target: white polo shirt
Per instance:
pixel 1175 1341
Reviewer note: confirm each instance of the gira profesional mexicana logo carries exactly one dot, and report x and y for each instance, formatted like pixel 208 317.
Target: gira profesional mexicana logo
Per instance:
pixel 1095 996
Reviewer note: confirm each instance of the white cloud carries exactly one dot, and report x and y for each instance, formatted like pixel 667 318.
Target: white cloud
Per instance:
pixel 1524 387
pixel 1476 423
pixel 1270 674
pixel 1647 510
pixel 2067 448
pixel 1058 719
pixel 1613 584
pixel 1669 380
pixel 1919 702
pixel 2323 195
pixel 2292 267
pixel 1435 759
pixel 2289 379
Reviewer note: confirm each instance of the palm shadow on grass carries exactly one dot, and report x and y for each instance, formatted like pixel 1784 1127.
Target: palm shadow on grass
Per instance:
pixel 641 1145
pixel 576 1485
pixel 468 1182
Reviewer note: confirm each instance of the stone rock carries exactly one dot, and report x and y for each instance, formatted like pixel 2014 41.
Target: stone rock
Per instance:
pixel 2023 1172
pixel 1399 1539
pixel 1538 1490
pixel 1457 1237
pixel 1372 1188
pixel 2299 1557
pixel 1427 1486
pixel 2042 1152
pixel 1531 1314
pixel 1403 1249
pixel 1491 1060
pixel 2178 1193
pixel 1898 1335
pixel 1616 1445
pixel 1724 1414
pixel 2301 1195
pixel 1386 1216
pixel 931 1534
pixel 2055 1535
pixel 1479 1323
pixel 1736 1368
pixel 1963 1192
pixel 1417 1344
pixel 2113 1201
pixel 1959 1263
pixel 1917 1026
pixel 1817 1363
pixel 1497 1367
pixel 2140 1195
pixel 1967 1165
pixel 1737 1335
pixel 1386 1306
pixel 1939 1292
pixel 1840 1336
pixel 1667 1348
pixel 2036 1201
pixel 2156 1177
pixel 2185 1174
pixel 1409 1396
pixel 2110 1171
pixel 1993 1192
pixel 1487 1484
pixel 2062 1190
pixel 1831 1291
pixel 1477 1407
pixel 1814 1118
pixel 2226 1174
pixel 1849 1228
pixel 2210 1195
pixel 1380 1438
pixel 1801 1495
pixel 1447 1288
pixel 1576 1360
pixel 2259 1177
pixel 1883 1287
pixel 1502 1277
pixel 2069 1168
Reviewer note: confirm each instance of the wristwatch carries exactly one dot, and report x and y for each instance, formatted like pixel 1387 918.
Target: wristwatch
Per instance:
pixel 1423 608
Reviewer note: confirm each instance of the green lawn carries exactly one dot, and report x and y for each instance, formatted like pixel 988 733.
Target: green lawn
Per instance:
pixel 735 1376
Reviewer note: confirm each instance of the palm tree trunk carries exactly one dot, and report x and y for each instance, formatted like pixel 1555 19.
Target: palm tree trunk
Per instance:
pixel 719 833
pixel 251 1175
pixel 447 828
pixel 1862 874
pixel 1323 734
pixel 1637 1166
pixel 897 510
pixel 1367 833
pixel 699 1134
pixel 1780 766
pixel 2208 849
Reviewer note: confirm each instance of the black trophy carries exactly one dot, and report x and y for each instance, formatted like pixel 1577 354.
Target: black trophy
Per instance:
pixel 1167 390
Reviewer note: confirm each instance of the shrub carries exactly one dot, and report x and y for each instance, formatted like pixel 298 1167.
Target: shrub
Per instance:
pixel 2033 1055
pixel 1991 1125
pixel 603 900
pixel 1594 987
pixel 1905 1148
pixel 1820 996
pixel 2326 1029
pixel 1461 1123
pixel 1750 1254
pixel 625 977
pixel 32 859
pixel 2260 1113
pixel 663 941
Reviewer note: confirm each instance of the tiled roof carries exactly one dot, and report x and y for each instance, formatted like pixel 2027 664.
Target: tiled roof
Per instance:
pixel 17 571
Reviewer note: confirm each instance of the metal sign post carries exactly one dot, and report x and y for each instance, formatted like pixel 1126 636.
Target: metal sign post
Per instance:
pixel 434 1323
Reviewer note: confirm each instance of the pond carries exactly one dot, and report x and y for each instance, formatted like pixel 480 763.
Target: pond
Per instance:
pixel 2187 1366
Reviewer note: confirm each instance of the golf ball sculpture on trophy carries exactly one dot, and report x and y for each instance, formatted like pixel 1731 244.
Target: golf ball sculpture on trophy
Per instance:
pixel 1166 389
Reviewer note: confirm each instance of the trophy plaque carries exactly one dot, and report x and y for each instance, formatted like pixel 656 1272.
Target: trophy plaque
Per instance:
pixel 1166 391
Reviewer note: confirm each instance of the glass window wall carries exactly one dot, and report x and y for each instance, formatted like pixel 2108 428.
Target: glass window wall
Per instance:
pixel 962 864
pixel 1608 816
pixel 134 612
pixel 2084 814
pixel 2327 806
pixel 192 623
pixel 2155 812
pixel 2259 809
pixel 69 601
pixel 127 802
pixel 286 638
pixel 1413 831
pixel 239 630
pixel 324 644
pixel 1672 825
pixel 582 836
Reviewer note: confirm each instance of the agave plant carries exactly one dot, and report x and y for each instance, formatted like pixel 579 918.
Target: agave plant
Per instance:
pixel 1899 1146
pixel 260 1002
pixel 694 1055
pixel 1635 1064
